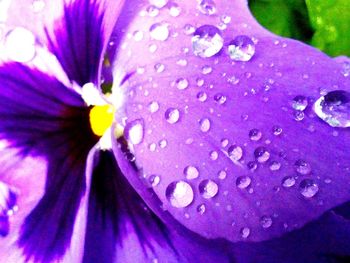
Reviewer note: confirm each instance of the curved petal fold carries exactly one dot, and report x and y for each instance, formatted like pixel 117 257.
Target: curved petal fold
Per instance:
pixel 231 121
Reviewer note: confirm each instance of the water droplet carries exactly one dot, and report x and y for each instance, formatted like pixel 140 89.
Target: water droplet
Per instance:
pixel 152 11
pixel 8 201
pixel 159 67
pixel 255 135
pixel 181 83
pixel 245 232
pixel 222 175
pixel 302 167
pixel 208 189
pixel 275 166
pixel 243 182
pixel 299 115
pixel 202 96
pixel 154 180
pixel 261 154
pixel 134 131
pixel 191 172
pixel 213 155
pixel 207 7
pixel 346 69
pixel 158 3
pixel 308 188
pixel 179 194
pixel 172 115
pixel 334 108
pixel 207 69
pixel 288 181
pixel 204 125
pixel 300 103
pixel 235 153
pixel 276 130
pixel 242 48
pixel 266 221
pixel 163 143
pixel 201 209
pixel 207 41
pixel 159 31
pixel 153 107
pixel 174 9
pixel 225 19
pixel 252 166
pixel 189 29
pixel 220 98
pixel 20 45
pixel 138 35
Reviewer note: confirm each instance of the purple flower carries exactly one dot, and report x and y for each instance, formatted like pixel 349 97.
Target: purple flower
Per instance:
pixel 229 143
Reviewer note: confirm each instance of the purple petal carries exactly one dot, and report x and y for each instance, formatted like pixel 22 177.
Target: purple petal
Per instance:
pixel 41 117
pixel 80 37
pixel 237 140
pixel 121 228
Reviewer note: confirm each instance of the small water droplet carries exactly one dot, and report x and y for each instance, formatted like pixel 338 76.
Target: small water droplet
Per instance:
pixel 302 167
pixel 213 155
pixel 179 194
pixel 288 181
pixel 245 232
pixel 225 19
pixel 334 108
pixel 189 29
pixel 300 103
pixel 174 9
pixel 222 175
pixel 134 131
pixel 207 69
pixel 153 107
pixel 276 130
pixel 299 115
pixel 191 172
pixel 202 96
pixel 159 31
pixel 207 41
pixel 172 115
pixel 275 165
pixel 346 69
pixel 181 83
pixel 154 180
pixel 158 3
pixel 201 209
pixel 152 11
pixel 138 35
pixel 159 67
pixel 308 188
pixel 235 153
pixel 208 189
pixel 207 7
pixel 243 182
pixel 252 166
pixel 220 98
pixel 163 143
pixel 255 134
pixel 266 221
pixel 242 48
pixel 261 154
pixel 205 125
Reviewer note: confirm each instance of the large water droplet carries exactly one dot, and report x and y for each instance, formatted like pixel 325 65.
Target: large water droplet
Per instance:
pixel 243 182
pixel 300 103
pixel 334 108
pixel 172 115
pixel 207 41
pixel 20 45
pixel 261 154
pixel 179 194
pixel 159 31
pixel 242 48
pixel 208 189
pixel 207 7
pixel 302 167
pixel 134 131
pixel 191 172
pixel 308 188
pixel 204 125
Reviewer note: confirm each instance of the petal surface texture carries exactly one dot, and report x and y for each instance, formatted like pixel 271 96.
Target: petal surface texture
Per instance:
pixel 223 120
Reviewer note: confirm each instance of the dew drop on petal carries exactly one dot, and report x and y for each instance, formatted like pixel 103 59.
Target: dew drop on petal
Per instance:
pixel 134 131
pixel 202 96
pixel 288 181
pixel 346 69
pixel 207 41
pixel 159 67
pixel 222 175
pixel 159 31
pixel 204 125
pixel 207 7
pixel 266 221
pixel 158 3
pixel 308 188
pixel 154 180
pixel 208 189
pixel 220 98
pixel 201 209
pixel 214 155
pixel 243 182
pixel 242 48
pixel 276 130
pixel 235 152
pixel 334 108
pixel 300 103
pixel 191 172
pixel 153 106
pixel 20 45
pixel 179 194
pixel 172 115
pixel 152 11
pixel 255 134
pixel 261 154
pixel 189 29
pixel 174 9
pixel 245 232
pixel 275 165
pixel 302 167
pixel 181 83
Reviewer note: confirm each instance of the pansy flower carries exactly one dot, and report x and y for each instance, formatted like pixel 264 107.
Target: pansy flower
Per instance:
pixel 233 144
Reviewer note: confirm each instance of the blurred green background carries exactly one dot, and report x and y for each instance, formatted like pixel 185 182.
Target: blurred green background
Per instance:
pixel 324 24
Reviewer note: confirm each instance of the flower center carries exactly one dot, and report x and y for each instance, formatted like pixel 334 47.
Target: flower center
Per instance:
pixel 101 118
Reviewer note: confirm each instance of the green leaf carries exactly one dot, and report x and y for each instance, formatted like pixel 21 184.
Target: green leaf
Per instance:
pixel 288 18
pixel 331 21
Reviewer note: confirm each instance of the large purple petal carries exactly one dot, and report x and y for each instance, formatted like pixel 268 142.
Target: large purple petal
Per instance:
pixel 80 37
pixel 41 117
pixel 237 147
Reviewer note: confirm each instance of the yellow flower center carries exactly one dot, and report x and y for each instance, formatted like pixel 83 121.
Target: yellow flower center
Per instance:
pixel 101 118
